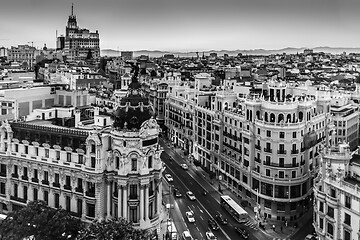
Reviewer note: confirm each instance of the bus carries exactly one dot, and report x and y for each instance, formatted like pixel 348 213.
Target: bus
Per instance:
pixel 171 233
pixel 234 209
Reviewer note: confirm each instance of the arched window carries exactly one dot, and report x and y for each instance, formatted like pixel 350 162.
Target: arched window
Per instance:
pixel 288 118
pixel 266 117
pixel 258 115
pixel 280 117
pixel 272 117
pixel 301 116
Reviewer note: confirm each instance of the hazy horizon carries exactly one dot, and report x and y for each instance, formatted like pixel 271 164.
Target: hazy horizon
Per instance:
pixel 186 25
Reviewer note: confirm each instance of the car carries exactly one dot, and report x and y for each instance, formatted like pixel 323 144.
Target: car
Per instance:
pixel 210 236
pixel 244 234
pixel 310 237
pixel 177 193
pixel 186 235
pixel 190 195
pixel 190 216
pixel 184 166
pixel 169 178
pixel 212 224
pixel 221 219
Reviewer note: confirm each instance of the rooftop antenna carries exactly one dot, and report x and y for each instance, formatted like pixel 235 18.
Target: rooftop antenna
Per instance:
pixel 72 9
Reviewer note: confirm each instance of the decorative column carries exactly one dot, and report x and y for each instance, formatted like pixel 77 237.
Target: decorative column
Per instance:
pixel 125 202
pixel 146 209
pixel 108 213
pixel 141 202
pixel 159 197
pixel 120 199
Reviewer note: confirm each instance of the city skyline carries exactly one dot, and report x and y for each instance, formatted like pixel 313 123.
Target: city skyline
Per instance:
pixel 186 25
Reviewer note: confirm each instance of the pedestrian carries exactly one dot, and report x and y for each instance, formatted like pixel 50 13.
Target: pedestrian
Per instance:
pixel 273 226
pixel 286 223
pixel 281 228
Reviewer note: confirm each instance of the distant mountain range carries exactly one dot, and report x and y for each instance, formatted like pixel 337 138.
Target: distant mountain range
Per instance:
pixel 288 50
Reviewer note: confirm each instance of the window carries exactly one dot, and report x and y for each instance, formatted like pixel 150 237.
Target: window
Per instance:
pixel 281 162
pixel 133 164
pixel 57 200
pixel 67 203
pixel 117 162
pixel 268 133
pixel 2 188
pixel 330 229
pixel 245 178
pixel 68 157
pixel 46 153
pixel 92 148
pixel 133 191
pixel 92 162
pixel 25 193
pixel 150 162
pixel 267 204
pixel 293 174
pixel 347 201
pixel 81 159
pixel 36 151
pixel 321 223
pixel 25 172
pixel 15 190
pixel 35 174
pixel 347 235
pixel 67 181
pixel 281 174
pixel 294 134
pixel 3 170
pixel 57 155
pixel 26 149
pixel 57 177
pixel 79 206
pixel 321 206
pixel 16 147
pixel 347 219
pixel 133 214
pixel 46 196
pixel 90 210
pixel 281 134
pixel 330 212
pixel 35 194
pixel 267 172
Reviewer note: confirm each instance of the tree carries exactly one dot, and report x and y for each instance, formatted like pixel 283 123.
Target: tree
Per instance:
pixel 41 222
pixel 110 229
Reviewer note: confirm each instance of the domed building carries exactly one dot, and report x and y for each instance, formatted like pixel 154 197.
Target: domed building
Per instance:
pixel 100 173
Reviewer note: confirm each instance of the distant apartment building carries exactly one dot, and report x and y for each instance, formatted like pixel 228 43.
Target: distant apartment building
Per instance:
pixel 336 193
pixel 60 42
pixel 23 54
pixel 79 42
pixel 3 52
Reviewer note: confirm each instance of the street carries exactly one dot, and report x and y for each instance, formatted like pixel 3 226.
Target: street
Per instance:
pixel 208 206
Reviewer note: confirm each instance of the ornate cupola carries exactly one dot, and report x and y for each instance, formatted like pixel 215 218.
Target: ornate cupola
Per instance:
pixel 135 108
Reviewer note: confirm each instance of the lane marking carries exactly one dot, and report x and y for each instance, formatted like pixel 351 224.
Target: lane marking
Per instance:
pixel 201 218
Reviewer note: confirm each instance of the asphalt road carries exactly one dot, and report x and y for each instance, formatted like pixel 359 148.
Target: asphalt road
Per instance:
pixel 204 207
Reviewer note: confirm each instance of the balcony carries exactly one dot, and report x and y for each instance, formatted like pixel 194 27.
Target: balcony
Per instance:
pixel 79 190
pixel 133 197
pixel 2 174
pixel 56 184
pixel 18 199
pixel 36 180
pixel 268 150
pixel 67 187
pixel 45 182
pixel 258 147
pixel 295 151
pixel 25 178
pixel 281 151
pixel 257 160
pixel 15 175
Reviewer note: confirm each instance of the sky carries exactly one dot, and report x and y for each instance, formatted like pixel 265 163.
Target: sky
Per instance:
pixel 186 25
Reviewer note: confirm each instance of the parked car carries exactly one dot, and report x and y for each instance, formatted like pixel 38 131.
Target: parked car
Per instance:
pixel 190 195
pixel 169 178
pixel 190 216
pixel 177 193
pixel 221 219
pixel 212 224
pixel 184 166
pixel 244 234
pixel 210 236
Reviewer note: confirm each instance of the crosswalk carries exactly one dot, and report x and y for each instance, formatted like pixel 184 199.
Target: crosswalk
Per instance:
pixel 281 239
pixel 251 224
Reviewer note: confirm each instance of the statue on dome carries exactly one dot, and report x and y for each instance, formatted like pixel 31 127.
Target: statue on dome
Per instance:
pixel 134 79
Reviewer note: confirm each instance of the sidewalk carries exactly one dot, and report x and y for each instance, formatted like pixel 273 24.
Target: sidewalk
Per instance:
pixel 281 230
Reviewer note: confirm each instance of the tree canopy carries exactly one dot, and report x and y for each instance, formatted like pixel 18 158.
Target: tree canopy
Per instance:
pixel 40 221
pixel 112 229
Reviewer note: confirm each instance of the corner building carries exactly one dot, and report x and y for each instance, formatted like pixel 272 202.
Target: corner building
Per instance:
pixel 269 149
pixel 93 174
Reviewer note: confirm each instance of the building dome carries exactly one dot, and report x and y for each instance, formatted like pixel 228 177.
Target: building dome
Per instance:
pixel 135 108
